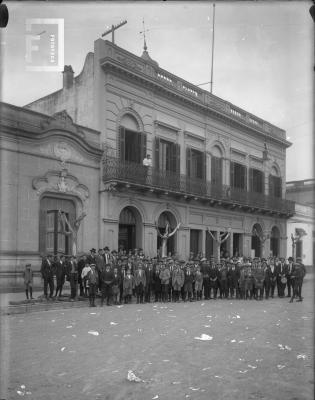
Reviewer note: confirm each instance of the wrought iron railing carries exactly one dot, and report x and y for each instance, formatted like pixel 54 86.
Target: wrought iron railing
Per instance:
pixel 153 178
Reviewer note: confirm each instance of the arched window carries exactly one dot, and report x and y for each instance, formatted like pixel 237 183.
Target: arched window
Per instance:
pixel 132 142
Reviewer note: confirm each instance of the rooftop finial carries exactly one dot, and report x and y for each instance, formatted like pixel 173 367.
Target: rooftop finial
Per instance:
pixel 145 48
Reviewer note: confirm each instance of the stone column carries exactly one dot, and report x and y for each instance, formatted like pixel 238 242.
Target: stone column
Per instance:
pixel 230 244
pixel 203 242
pixel 149 240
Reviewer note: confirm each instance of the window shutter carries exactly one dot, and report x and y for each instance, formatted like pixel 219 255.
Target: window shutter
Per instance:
pixel 157 152
pixel 188 162
pixel 232 174
pixel 143 146
pixel 122 143
pixel 204 165
pixel 271 191
pixel 279 187
pixel 244 173
pixel 42 231
pixel 262 183
pixel 251 180
pixel 177 158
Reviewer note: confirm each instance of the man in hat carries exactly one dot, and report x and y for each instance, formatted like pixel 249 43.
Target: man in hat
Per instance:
pixel 107 278
pixel 149 275
pixel 91 257
pixel 188 284
pixel 107 255
pixel 60 274
pixel 165 280
pixel 281 278
pixel 288 274
pixel 298 274
pixel 73 277
pixel 177 280
pixel 47 271
pixel 205 270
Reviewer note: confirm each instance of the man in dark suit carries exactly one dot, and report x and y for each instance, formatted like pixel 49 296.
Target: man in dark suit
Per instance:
pixel 205 270
pixel 107 278
pixel 281 278
pixel 288 274
pixel 60 269
pixel 107 256
pixel 47 271
pixel 270 278
pixel 149 275
pixel 73 277
pixel 298 274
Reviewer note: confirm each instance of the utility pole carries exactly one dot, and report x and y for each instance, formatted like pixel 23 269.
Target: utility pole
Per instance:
pixel 212 53
pixel 112 30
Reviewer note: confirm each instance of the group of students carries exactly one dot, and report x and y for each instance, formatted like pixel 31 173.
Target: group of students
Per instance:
pixel 117 277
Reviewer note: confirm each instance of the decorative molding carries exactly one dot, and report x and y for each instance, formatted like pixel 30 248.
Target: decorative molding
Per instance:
pixel 61 150
pixel 61 120
pixel 194 136
pixel 62 183
pixel 167 126
pixel 131 111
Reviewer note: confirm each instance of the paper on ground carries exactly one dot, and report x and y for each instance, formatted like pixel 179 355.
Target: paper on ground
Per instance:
pixel 204 337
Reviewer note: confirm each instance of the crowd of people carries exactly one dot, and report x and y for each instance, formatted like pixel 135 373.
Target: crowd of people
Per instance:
pixel 121 277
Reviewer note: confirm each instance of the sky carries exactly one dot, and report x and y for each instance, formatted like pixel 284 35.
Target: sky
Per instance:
pixel 263 55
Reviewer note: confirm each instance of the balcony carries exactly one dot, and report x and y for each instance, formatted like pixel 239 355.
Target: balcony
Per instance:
pixel 120 174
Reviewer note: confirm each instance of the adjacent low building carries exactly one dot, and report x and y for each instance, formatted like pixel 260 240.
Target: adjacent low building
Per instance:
pixel 301 227
pixel 215 167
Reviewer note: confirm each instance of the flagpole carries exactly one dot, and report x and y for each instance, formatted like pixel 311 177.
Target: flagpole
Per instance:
pixel 212 53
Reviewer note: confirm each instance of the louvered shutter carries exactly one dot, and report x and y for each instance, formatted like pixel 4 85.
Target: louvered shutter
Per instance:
pixel 122 135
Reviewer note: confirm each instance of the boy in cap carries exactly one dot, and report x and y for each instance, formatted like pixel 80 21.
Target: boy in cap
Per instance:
pixel 28 280
pixel 140 283
pixel 92 277
pixel 129 284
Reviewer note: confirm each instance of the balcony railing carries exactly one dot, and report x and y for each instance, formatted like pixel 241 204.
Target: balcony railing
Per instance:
pixel 167 181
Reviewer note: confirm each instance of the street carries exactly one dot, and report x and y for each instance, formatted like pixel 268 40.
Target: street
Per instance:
pixel 224 349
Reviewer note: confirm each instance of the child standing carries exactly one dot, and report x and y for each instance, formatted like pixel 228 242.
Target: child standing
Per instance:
pixel 28 280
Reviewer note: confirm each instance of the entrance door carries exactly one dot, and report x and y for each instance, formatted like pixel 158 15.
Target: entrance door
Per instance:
pixel 126 237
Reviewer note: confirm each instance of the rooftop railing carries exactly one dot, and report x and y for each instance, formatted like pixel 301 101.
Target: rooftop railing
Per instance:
pixel 169 182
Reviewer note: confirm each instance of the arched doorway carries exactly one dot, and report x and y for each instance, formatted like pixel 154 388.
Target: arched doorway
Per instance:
pixel 164 218
pixel 130 229
pixel 275 242
pixel 257 233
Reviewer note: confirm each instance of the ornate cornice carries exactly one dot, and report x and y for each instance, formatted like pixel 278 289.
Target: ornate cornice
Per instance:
pixel 62 183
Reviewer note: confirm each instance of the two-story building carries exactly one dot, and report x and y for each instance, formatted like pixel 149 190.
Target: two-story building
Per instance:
pixel 215 166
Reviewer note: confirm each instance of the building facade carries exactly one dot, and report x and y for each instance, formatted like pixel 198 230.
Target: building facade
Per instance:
pixel 215 167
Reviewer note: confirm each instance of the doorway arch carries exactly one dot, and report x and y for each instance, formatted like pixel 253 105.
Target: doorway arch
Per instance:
pixel 130 229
